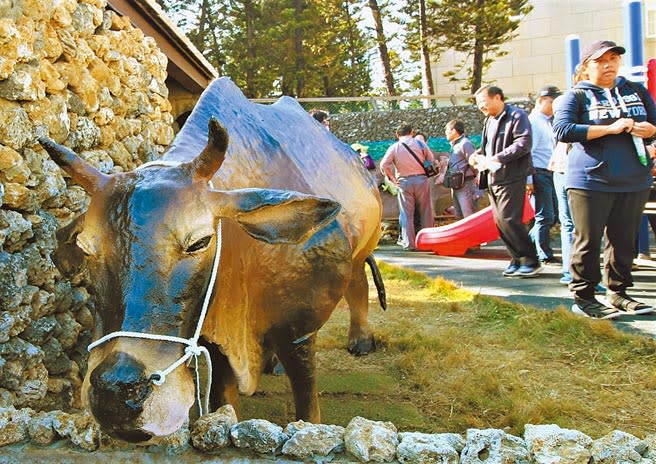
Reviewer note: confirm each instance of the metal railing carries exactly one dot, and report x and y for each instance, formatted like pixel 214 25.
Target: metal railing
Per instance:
pixel 336 105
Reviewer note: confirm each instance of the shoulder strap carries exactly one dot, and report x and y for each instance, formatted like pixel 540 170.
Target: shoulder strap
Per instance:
pixel 634 85
pixel 580 99
pixel 643 93
pixel 640 89
pixel 413 154
pixel 468 168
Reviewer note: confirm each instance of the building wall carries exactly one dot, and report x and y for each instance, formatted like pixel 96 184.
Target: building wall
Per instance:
pixel 537 54
pixel 182 102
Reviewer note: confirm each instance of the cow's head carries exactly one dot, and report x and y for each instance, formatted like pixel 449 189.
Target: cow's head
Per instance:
pixel 149 240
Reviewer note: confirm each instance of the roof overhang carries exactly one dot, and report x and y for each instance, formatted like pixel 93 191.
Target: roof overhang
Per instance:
pixel 186 64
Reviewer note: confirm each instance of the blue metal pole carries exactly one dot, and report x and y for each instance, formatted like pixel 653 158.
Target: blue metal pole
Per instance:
pixel 633 38
pixel 572 56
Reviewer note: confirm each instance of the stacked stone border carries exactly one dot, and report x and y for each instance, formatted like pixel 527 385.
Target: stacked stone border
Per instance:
pixel 61 437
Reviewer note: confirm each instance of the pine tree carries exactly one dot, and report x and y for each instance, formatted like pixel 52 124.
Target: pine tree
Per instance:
pixel 477 28
pixel 281 47
pixel 418 42
pixel 381 41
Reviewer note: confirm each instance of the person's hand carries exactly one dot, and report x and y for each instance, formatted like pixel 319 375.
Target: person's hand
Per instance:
pixel 486 163
pixel 651 151
pixel 621 125
pixel 479 162
pixel 473 161
pixel 643 129
pixel 530 190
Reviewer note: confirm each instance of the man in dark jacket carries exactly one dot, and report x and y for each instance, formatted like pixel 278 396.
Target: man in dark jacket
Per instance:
pixel 505 162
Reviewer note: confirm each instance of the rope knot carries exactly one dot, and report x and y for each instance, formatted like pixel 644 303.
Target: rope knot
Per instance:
pixel 194 350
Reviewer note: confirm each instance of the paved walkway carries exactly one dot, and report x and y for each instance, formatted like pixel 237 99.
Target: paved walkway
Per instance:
pixel 480 271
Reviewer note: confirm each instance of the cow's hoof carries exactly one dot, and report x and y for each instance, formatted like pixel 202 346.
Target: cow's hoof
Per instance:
pixel 362 346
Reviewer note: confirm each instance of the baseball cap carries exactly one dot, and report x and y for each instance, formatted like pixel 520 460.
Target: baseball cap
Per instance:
pixel 549 91
pixel 598 48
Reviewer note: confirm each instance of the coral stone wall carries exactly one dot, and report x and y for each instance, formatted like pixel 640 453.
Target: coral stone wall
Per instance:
pixel 382 125
pixel 83 75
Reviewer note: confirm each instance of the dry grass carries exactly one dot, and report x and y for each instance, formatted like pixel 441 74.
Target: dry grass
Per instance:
pixel 448 360
pixel 469 361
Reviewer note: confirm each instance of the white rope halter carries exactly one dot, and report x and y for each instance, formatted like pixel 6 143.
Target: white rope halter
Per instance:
pixel 193 349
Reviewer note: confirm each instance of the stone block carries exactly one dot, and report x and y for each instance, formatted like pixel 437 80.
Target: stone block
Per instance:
pixel 371 440
pixel 258 435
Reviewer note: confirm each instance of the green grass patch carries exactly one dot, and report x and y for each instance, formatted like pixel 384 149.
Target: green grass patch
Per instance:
pixel 357 383
pixel 278 408
pixel 410 277
pixel 340 410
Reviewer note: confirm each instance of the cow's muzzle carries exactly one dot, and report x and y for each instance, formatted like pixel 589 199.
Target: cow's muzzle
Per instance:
pixel 119 388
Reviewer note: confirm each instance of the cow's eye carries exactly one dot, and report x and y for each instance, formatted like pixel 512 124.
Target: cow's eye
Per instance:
pixel 199 245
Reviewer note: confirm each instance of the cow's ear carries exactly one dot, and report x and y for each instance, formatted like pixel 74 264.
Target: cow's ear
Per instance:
pixel 276 216
pixel 68 257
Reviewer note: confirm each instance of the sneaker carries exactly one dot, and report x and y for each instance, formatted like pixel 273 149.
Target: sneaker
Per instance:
pixel 627 305
pixel 528 271
pixel 512 268
pixel 566 279
pixel 594 309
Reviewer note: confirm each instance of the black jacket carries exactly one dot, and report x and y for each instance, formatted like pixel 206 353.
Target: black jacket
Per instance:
pixel 512 145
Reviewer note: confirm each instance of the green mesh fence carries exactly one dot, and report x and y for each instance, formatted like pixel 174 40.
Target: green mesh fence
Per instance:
pixel 377 149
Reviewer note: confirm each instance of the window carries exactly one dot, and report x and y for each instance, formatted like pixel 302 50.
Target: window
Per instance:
pixel 650 17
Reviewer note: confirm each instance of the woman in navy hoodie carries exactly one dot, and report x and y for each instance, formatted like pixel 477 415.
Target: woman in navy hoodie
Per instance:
pixel 608 121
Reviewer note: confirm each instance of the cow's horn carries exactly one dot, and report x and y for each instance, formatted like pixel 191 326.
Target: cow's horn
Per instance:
pixel 80 171
pixel 211 158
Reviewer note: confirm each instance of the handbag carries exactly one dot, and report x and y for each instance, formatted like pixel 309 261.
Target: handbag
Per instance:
pixel 429 169
pixel 482 180
pixel 454 180
pixel 368 162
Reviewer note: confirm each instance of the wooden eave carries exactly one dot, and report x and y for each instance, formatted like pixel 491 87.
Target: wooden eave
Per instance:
pixel 186 64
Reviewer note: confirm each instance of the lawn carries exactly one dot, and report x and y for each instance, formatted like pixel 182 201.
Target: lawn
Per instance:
pixel 448 360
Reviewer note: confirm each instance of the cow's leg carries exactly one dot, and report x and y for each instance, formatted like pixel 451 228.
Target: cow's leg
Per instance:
pixel 361 339
pixel 300 365
pixel 224 385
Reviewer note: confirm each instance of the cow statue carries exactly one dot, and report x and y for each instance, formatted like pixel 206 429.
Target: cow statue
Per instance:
pixel 233 250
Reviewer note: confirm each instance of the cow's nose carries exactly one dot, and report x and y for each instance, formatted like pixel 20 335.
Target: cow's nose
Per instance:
pixel 119 389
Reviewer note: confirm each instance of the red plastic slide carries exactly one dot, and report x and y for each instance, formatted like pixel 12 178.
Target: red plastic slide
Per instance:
pixel 454 239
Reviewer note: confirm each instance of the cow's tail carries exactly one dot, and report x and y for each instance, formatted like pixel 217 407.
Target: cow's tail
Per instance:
pixel 378 280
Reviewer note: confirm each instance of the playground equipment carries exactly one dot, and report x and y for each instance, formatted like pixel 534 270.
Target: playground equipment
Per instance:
pixel 456 238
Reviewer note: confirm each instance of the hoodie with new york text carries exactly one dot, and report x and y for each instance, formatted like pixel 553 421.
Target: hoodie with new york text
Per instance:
pixel 609 163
